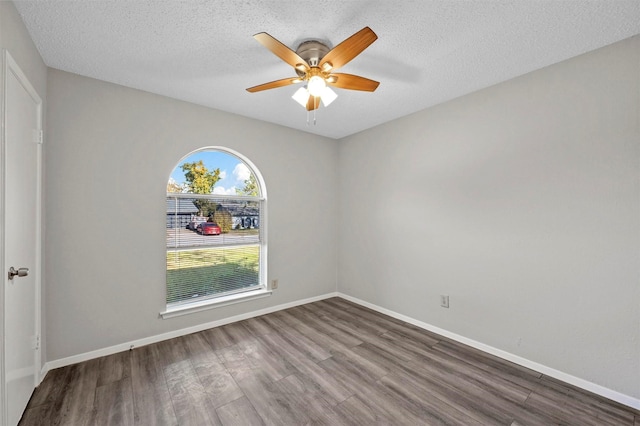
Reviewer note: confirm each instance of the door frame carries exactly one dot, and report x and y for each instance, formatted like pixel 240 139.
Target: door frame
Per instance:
pixel 9 65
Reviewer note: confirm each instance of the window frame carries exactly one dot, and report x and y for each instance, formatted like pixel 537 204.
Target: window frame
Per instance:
pixel 264 290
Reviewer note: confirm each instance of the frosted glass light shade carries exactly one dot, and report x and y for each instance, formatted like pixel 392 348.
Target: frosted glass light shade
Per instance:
pixel 301 96
pixel 316 85
pixel 328 96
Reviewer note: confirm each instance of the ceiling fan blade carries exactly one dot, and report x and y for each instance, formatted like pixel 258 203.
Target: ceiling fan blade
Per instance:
pixel 313 103
pixel 348 49
pixel 352 82
pixel 282 51
pixel 274 84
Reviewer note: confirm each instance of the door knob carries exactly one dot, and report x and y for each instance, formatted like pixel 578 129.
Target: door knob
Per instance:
pixel 20 272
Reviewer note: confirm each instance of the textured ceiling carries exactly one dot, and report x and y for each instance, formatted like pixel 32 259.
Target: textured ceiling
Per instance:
pixel 427 52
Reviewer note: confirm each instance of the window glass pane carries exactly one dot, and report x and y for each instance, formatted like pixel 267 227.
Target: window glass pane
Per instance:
pixel 213 172
pixel 196 274
pixel 212 221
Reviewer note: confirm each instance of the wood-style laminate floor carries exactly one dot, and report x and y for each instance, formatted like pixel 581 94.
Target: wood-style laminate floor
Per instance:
pixel 330 362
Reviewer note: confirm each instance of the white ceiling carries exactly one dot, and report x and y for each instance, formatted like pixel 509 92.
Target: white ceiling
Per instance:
pixel 427 52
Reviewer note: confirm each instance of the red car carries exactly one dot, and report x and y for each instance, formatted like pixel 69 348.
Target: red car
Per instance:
pixel 208 228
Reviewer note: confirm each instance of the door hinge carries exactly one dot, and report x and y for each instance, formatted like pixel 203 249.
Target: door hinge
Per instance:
pixel 38 136
pixel 35 342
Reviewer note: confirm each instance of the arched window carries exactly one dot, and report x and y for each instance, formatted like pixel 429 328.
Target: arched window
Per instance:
pixel 216 249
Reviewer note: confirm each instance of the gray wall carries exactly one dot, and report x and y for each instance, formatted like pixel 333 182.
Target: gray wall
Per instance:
pixel 522 203
pixel 110 151
pixel 16 40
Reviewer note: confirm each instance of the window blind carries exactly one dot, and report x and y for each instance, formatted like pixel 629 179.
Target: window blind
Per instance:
pixel 213 246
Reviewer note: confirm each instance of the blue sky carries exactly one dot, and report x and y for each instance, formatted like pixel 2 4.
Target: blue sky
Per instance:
pixel 233 172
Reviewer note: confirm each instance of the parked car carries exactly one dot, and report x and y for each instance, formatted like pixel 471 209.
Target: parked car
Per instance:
pixel 195 222
pixel 208 228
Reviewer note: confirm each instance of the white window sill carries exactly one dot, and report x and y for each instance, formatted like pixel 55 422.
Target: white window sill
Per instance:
pixel 190 308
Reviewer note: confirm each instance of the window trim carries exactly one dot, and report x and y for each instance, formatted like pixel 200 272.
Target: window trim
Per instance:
pixel 265 289
pixel 218 302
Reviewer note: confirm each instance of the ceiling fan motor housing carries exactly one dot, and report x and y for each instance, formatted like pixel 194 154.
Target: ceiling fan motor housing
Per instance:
pixel 311 51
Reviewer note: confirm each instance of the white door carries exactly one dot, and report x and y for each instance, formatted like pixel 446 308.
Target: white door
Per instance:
pixel 21 161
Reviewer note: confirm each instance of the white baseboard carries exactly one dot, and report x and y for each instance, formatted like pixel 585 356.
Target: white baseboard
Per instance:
pixel 567 378
pixel 43 372
pixel 172 334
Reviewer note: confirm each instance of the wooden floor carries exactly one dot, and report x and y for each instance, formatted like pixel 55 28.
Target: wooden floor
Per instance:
pixel 330 362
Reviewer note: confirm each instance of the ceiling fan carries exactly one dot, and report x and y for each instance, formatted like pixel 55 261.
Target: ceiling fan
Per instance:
pixel 315 64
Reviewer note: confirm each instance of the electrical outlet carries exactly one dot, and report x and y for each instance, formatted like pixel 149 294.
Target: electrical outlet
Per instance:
pixel 274 284
pixel 444 301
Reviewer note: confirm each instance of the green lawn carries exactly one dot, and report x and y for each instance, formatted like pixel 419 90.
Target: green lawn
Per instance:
pixel 203 272
pixel 251 231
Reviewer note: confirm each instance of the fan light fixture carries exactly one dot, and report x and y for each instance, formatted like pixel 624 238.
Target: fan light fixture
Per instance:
pixel 327 96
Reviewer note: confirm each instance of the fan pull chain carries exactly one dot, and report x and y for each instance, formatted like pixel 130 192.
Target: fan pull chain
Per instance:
pixel 314 112
pixel 314 117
